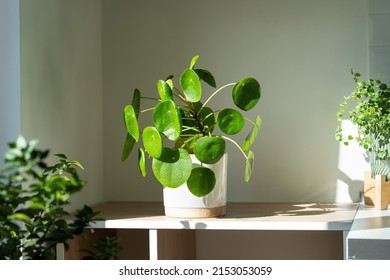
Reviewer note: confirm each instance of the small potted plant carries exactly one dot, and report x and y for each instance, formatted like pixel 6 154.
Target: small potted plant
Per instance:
pixel 371 115
pixel 187 140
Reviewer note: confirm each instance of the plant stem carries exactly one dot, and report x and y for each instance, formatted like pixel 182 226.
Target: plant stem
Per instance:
pixel 235 143
pixel 147 110
pixel 149 98
pixel 252 122
pixel 187 128
pixel 185 109
pixel 214 93
pixel 179 95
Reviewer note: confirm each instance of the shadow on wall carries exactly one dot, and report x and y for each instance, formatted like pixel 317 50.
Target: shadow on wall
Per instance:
pixel 347 185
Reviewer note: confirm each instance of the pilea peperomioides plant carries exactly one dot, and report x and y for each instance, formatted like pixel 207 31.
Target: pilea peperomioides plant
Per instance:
pixel 180 118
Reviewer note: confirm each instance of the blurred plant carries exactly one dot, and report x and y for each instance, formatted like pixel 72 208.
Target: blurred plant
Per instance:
pixel 103 249
pixel 32 200
pixel 371 114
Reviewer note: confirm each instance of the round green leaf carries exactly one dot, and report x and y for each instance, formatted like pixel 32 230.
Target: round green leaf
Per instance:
pixel 164 90
pixel 173 168
pixel 190 84
pixel 167 119
pixel 250 139
pixel 209 149
pixel 131 122
pixel 206 76
pixel 249 166
pixel 246 93
pixel 142 161
pixel 201 181
pixel 152 141
pixel 230 121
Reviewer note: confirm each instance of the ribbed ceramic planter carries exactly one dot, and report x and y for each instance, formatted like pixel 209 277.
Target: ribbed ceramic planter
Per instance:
pixel 181 203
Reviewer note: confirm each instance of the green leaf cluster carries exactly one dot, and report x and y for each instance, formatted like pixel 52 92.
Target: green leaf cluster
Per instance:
pixel 33 197
pixel 368 107
pixel 106 248
pixel 183 124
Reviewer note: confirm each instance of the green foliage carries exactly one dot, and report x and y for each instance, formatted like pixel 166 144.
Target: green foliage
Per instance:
pixel 209 149
pixel 167 119
pixel 152 141
pixel 131 122
pixel 103 249
pixel 173 167
pixel 246 93
pixel 180 118
pixel 230 121
pixel 190 83
pixel 201 181
pixel 370 112
pixel 32 200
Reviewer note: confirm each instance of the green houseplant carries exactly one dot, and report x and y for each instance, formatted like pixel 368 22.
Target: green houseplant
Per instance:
pixel 371 115
pixel 184 125
pixel 33 197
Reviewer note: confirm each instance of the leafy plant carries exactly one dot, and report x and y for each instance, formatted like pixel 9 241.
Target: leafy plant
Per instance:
pixel 32 200
pixel 103 249
pixel 371 115
pixel 180 118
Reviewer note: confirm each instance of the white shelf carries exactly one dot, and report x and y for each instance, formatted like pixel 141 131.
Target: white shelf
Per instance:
pixel 175 238
pixel 240 216
pixel 370 223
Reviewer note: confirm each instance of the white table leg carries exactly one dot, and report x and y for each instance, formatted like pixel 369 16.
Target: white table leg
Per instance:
pixel 153 245
pixel 345 244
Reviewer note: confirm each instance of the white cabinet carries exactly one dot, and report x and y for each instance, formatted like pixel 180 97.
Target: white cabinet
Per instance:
pixel 369 237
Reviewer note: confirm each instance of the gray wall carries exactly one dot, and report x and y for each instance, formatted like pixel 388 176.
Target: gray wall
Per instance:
pixel 9 73
pixel 61 84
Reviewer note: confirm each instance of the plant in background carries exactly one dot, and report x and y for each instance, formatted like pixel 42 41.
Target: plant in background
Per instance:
pixel 32 200
pixel 371 115
pixel 103 249
pixel 182 119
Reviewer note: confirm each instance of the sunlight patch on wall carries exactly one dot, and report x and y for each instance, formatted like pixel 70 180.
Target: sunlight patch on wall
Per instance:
pixel 352 163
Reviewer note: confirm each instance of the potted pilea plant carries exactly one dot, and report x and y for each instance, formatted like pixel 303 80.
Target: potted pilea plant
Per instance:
pixel 33 197
pixel 371 115
pixel 187 139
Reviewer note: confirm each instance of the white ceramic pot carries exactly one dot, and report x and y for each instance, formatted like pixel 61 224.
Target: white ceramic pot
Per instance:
pixel 180 202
